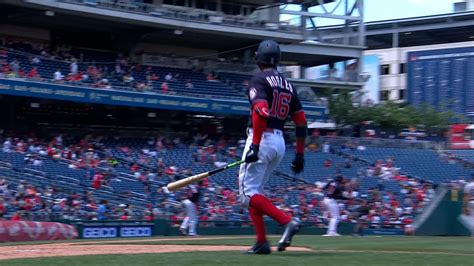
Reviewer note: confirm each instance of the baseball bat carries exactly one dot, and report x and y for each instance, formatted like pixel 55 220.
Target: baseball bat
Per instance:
pixel 195 178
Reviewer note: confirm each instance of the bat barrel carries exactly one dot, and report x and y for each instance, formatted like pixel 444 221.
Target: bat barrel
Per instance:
pixel 186 181
pixel 195 178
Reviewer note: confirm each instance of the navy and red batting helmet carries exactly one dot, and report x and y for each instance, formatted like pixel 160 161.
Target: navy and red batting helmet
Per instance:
pixel 268 53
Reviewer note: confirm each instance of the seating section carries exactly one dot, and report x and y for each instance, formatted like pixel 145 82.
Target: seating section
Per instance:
pixel 125 186
pixel 106 61
pixel 422 163
pixel 465 155
pixel 132 76
pixel 235 80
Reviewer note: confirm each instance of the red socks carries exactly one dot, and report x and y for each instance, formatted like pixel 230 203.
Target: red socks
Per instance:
pixel 258 224
pixel 264 206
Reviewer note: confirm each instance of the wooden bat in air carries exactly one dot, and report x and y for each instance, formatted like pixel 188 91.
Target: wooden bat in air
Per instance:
pixel 195 178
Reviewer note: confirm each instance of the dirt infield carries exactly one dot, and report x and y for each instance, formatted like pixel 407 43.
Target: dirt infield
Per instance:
pixel 88 248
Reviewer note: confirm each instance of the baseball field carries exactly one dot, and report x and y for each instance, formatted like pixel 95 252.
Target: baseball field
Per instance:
pixel 227 250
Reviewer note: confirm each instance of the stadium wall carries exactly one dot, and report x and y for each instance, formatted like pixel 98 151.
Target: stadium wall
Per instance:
pixel 443 219
pixel 25 32
pixel 127 229
pixel 16 231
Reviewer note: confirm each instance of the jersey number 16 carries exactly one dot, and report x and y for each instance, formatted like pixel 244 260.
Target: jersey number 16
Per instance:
pixel 280 105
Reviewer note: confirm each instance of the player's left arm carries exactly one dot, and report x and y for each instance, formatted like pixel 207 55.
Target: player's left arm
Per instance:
pixel 259 115
pixel 301 131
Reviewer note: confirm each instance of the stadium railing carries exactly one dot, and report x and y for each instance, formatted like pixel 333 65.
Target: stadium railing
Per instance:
pixel 386 143
pixel 129 89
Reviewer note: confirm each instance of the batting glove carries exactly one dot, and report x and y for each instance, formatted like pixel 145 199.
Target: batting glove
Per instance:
pixel 252 154
pixel 298 164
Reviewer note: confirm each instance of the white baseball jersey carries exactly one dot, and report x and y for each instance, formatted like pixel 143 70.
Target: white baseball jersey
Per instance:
pixel 469 190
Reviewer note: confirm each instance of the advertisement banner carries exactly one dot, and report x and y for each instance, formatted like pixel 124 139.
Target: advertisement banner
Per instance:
pixel 139 99
pixel 13 231
pixel 117 231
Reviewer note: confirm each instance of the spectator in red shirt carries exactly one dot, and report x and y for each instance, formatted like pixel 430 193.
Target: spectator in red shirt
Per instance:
pixel 33 73
pixel 172 170
pixel 124 217
pixel 164 87
pixel 148 216
pixel 3 209
pixel 97 180
pixel 134 167
pixel 327 163
pixel 16 217
pixel 21 73
pixel 6 68
pixel 50 151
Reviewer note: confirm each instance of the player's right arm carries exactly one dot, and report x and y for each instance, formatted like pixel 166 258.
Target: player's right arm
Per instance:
pixel 301 131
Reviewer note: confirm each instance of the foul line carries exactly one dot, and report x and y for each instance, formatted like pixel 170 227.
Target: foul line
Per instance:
pixel 392 252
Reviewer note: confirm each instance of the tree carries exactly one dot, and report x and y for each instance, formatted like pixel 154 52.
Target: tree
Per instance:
pixel 389 115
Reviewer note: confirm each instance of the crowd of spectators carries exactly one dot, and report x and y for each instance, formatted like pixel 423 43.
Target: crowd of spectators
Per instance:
pixel 78 68
pixel 219 203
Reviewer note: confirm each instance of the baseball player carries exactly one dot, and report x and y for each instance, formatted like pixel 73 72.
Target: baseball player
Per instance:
pixel 272 99
pixel 334 190
pixel 361 216
pixel 190 204
pixel 468 201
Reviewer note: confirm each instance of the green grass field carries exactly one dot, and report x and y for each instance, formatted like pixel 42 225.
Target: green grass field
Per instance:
pixel 451 251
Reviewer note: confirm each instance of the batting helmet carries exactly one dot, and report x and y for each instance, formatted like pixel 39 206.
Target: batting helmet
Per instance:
pixel 268 53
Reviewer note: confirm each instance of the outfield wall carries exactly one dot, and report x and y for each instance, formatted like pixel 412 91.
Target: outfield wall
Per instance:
pixel 127 229
pixel 16 231
pixel 442 218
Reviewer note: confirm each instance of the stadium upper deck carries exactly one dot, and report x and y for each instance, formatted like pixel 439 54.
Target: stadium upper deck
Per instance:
pixel 204 27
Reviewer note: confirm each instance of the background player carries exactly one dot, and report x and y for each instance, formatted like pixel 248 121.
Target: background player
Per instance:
pixel 190 204
pixel 272 99
pixel 468 201
pixel 360 215
pixel 334 191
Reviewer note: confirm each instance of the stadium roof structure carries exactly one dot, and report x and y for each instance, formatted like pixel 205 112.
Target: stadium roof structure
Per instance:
pixel 436 29
pixel 154 26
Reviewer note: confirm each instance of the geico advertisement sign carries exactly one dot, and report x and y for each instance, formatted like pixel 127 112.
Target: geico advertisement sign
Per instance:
pixel 135 231
pixel 99 232
pixel 111 232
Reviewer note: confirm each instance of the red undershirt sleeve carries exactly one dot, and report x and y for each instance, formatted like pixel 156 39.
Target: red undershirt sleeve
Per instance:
pixel 259 120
